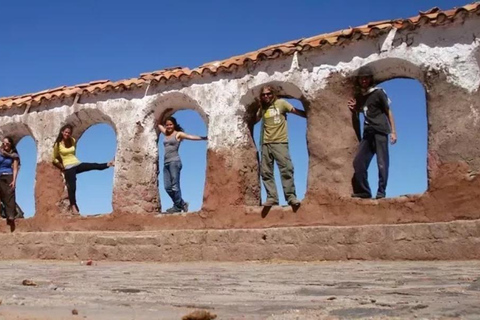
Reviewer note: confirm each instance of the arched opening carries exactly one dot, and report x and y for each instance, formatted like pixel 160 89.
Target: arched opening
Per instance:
pixel 407 172
pixel 25 196
pixel 27 149
pixel 95 188
pixel 193 158
pixel 408 156
pixel 96 143
pixel 297 141
pixel 192 154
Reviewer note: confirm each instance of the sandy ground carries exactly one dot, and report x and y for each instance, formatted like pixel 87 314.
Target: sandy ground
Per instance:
pixel 274 290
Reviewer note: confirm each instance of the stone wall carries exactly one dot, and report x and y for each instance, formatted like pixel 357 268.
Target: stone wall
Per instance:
pixel 444 58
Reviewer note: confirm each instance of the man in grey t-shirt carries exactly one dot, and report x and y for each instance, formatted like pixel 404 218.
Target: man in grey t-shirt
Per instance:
pixel 378 124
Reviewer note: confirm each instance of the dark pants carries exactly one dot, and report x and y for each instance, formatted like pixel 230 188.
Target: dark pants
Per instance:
pixel 7 195
pixel 71 177
pixel 277 152
pixel 171 181
pixel 371 144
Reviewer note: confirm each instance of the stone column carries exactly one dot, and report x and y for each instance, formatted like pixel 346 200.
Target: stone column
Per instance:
pixel 232 166
pixel 51 198
pixel 331 141
pixel 135 188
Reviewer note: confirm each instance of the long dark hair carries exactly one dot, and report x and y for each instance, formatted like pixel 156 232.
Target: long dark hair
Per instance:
pixel 60 136
pixel 176 126
pixel 13 148
pixel 272 90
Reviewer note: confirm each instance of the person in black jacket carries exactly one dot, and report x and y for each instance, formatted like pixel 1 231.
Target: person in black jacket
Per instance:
pixel 378 125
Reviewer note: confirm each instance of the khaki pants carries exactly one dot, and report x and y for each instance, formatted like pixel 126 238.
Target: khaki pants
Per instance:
pixel 277 152
pixel 7 195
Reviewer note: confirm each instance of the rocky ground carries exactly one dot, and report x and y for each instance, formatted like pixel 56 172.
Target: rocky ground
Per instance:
pixel 274 290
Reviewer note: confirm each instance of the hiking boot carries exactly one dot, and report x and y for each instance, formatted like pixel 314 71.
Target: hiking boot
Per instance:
pixel 185 207
pixel 380 196
pixel 295 203
pixel 270 203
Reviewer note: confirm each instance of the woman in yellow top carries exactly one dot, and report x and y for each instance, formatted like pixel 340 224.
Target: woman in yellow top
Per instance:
pixel 64 158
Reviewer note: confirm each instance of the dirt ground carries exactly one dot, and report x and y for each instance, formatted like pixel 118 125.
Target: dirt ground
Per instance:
pixel 251 290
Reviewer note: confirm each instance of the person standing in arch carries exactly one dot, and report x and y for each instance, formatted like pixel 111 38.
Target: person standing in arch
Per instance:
pixel 373 102
pixel 9 166
pixel 64 158
pixel 274 144
pixel 172 164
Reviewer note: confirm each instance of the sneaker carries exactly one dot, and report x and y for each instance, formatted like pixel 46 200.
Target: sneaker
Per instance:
pixel 361 195
pixel 380 196
pixel 173 210
pixel 270 203
pixel 185 207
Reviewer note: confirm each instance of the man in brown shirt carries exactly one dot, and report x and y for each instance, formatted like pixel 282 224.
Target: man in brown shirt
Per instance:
pixel 274 142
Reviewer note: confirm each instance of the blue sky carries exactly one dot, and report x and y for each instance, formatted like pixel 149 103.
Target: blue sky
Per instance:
pixel 45 44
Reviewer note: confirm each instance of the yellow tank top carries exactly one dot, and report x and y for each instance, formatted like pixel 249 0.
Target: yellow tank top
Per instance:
pixel 67 155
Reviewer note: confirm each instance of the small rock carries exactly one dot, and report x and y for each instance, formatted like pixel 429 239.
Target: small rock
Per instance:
pixel 27 282
pixel 420 306
pixel 89 263
pixel 1 302
pixel 199 315
pixel 332 298
pixel 75 312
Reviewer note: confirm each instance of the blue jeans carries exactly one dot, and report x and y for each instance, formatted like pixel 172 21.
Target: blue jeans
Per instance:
pixel 371 144
pixel 171 180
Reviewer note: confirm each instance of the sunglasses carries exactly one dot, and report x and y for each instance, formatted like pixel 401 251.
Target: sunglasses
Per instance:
pixel 267 94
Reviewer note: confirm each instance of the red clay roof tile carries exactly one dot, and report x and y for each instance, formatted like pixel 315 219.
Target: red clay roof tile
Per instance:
pixel 433 16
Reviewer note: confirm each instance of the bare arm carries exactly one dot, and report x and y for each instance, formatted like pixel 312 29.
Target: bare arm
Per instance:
pixel 15 173
pixel 183 135
pixel 56 160
pixel 258 115
pixel 393 134
pixel 161 128
pixel 299 112
pixel 352 105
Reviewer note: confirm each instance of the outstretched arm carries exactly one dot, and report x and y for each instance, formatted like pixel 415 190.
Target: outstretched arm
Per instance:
pixel 299 112
pixel 186 136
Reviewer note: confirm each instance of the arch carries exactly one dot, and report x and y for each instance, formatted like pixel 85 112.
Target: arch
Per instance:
pixel 83 119
pixel 287 91
pixel 169 104
pixel 16 130
pixel 20 132
pixel 389 68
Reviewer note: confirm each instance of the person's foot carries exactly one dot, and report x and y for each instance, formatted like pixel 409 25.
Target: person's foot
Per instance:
pixel 185 207
pixel 173 210
pixel 294 203
pixel 74 209
pixel 11 223
pixel 361 195
pixel 270 203
pixel 380 196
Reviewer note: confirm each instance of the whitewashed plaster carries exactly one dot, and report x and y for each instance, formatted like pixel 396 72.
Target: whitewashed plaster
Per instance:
pixel 222 99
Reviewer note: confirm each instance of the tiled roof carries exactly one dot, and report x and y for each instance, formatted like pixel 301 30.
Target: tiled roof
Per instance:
pixel 432 17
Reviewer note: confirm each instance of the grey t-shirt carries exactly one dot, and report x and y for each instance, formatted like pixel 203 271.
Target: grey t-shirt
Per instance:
pixel 374 105
pixel 171 145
